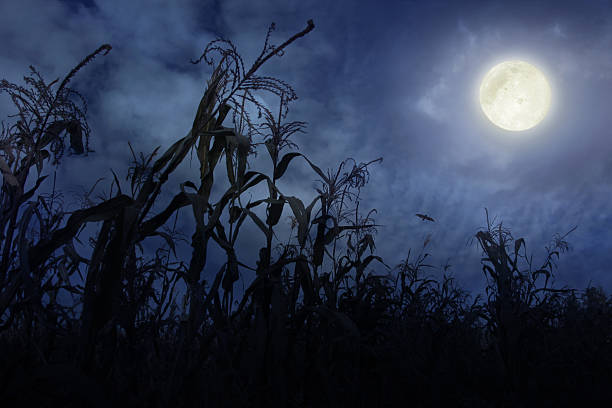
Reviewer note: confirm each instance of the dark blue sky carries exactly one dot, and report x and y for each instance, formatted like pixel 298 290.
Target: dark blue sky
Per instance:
pixel 391 79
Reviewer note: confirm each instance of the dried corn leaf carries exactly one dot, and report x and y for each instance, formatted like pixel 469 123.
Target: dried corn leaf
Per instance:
pixel 281 167
pixel 302 273
pixel 231 271
pixel 272 151
pixel 259 223
pixel 9 178
pixel 274 210
pixel 300 214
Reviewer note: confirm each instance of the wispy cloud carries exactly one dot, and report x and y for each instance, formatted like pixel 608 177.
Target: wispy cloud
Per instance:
pixel 429 103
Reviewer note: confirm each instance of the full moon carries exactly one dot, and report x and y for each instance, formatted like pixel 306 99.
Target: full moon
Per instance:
pixel 515 95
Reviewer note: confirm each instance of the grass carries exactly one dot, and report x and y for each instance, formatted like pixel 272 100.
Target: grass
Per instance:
pixel 314 328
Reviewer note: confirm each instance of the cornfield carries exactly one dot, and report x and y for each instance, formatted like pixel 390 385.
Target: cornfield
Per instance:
pixel 100 321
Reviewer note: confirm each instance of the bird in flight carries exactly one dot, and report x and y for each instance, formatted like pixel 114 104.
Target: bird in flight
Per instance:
pixel 425 217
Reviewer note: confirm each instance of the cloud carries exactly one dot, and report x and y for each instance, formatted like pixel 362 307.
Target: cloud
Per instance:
pixel 429 103
pixel 558 31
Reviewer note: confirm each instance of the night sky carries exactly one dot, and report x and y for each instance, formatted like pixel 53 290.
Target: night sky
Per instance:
pixel 397 80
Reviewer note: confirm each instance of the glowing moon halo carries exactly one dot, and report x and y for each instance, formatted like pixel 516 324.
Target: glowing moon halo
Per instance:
pixel 515 95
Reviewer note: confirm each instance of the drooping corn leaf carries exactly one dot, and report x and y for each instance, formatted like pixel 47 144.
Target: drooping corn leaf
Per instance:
pixel 104 211
pixel 302 273
pixel 300 214
pixel 9 178
pixel 259 223
pixel 274 210
pixel 282 166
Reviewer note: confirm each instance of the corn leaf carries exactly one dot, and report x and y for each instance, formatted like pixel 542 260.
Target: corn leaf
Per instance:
pixel 274 210
pixel 300 214
pixel 9 178
pixel 281 167
pixel 258 222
